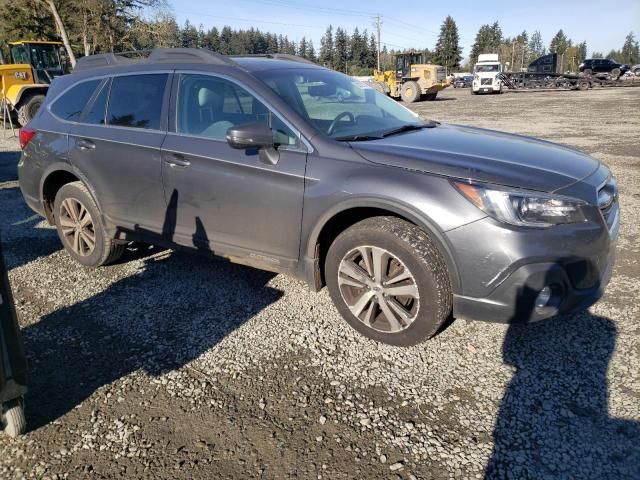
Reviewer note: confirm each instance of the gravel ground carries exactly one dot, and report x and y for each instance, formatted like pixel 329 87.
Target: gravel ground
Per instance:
pixel 169 365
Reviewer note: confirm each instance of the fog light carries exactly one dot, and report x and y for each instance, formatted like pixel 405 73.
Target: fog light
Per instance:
pixel 544 297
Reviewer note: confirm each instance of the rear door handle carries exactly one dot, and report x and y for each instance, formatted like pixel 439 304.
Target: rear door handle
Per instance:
pixel 84 144
pixel 176 160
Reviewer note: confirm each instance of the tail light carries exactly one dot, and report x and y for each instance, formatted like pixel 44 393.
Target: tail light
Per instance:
pixel 25 135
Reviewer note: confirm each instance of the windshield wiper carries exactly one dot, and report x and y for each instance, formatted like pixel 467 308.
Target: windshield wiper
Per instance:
pixel 409 127
pixel 358 138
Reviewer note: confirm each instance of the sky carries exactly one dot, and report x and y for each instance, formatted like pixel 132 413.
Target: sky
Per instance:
pixel 416 23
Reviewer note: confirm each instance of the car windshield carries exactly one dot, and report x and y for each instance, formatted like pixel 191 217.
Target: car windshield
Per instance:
pixel 486 68
pixel 339 106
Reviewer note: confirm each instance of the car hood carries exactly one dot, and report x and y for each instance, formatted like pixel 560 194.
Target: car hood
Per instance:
pixel 481 155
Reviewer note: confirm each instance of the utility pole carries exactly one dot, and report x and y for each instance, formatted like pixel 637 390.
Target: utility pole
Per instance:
pixel 378 25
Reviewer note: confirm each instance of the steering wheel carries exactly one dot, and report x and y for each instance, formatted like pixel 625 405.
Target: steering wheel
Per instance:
pixel 340 116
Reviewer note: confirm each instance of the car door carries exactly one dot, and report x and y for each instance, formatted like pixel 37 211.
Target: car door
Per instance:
pixel 116 145
pixel 227 200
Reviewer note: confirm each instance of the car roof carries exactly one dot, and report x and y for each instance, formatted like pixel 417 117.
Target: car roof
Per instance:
pixel 190 56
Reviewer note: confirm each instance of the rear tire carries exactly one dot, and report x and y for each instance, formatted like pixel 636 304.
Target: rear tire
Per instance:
pixel 80 228
pixel 410 92
pixel 392 254
pixel 13 419
pixel 28 108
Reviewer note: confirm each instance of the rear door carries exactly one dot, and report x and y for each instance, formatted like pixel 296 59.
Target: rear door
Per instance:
pixel 224 199
pixel 116 144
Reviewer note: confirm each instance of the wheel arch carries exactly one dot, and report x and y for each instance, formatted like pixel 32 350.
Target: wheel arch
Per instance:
pixel 346 214
pixel 53 179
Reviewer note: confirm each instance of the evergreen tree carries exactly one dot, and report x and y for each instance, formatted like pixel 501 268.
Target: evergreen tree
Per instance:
pixel 483 43
pixel 372 58
pixel 582 51
pixel 559 43
pixel 630 50
pixel 302 48
pixel 597 55
pixel 536 46
pixel 326 48
pixel 188 35
pixel 311 51
pixel 448 50
pixel 340 50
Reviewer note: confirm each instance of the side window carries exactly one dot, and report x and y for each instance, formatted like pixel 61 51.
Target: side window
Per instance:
pixel 95 111
pixel 136 101
pixel 209 106
pixel 70 105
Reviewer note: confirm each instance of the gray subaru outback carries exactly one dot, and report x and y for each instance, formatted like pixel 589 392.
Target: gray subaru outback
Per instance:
pixel 253 158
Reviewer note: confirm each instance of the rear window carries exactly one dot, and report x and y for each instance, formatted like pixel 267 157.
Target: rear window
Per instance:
pixel 136 101
pixel 70 105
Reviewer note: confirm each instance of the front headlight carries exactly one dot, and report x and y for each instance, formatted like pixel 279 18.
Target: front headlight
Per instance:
pixel 524 209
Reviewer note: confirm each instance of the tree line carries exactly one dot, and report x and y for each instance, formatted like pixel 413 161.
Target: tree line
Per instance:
pixel 93 26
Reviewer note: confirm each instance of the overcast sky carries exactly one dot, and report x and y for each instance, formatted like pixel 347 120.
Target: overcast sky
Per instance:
pixel 416 23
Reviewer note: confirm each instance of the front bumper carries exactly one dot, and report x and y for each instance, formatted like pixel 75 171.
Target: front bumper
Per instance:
pixel 502 281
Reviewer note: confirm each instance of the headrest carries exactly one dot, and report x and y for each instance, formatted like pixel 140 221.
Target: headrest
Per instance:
pixel 207 97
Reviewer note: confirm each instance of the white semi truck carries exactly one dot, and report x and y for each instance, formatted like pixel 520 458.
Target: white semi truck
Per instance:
pixel 485 74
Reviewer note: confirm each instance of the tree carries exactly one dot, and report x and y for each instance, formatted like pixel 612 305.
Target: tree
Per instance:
pixel 536 47
pixel 559 43
pixel 488 40
pixel 62 30
pixel 340 50
pixel 311 51
pixel 326 48
pixel 448 51
pixel 630 52
pixel 597 55
pixel 188 35
pixel 582 51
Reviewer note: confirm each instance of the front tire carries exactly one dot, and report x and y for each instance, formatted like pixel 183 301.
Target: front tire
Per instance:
pixel 410 92
pixel 389 281
pixel 29 107
pixel 80 228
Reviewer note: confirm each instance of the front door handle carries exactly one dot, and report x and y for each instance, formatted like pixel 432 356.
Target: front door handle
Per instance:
pixel 84 144
pixel 176 160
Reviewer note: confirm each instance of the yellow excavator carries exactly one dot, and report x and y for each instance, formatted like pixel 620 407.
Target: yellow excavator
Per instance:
pixel 25 78
pixel 413 79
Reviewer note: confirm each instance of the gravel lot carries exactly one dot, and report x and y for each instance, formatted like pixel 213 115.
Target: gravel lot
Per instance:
pixel 168 365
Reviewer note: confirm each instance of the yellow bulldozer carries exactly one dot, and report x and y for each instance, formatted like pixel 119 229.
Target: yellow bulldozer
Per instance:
pixel 413 79
pixel 25 78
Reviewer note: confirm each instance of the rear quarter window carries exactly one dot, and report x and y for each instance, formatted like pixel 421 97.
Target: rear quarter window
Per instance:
pixel 136 101
pixel 70 104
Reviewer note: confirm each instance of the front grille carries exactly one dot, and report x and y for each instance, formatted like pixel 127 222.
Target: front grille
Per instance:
pixel 608 203
pixel 486 81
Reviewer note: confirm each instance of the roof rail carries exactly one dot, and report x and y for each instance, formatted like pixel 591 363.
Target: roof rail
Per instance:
pixel 157 55
pixel 280 56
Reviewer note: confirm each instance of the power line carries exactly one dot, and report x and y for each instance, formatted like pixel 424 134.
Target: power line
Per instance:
pixel 250 20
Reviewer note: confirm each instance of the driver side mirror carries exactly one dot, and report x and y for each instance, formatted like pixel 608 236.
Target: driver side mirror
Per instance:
pixel 254 135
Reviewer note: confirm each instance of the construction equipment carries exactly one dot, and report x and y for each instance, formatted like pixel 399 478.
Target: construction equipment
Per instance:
pixel 412 80
pixel 25 79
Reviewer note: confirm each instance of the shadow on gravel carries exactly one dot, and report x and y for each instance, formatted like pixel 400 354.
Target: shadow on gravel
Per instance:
pixel 554 418
pixel 9 166
pixel 156 320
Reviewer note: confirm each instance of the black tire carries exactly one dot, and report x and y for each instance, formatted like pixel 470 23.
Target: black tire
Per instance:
pixel 418 254
pixel 615 73
pixel 105 249
pixel 410 92
pixel 28 108
pixel 13 419
pixel 588 72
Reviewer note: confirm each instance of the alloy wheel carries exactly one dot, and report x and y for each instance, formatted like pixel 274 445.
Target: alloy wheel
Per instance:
pixel 77 227
pixel 379 289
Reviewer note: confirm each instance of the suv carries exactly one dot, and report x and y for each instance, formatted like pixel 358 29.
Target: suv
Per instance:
pixel 603 65
pixel 407 222
pixel 463 81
